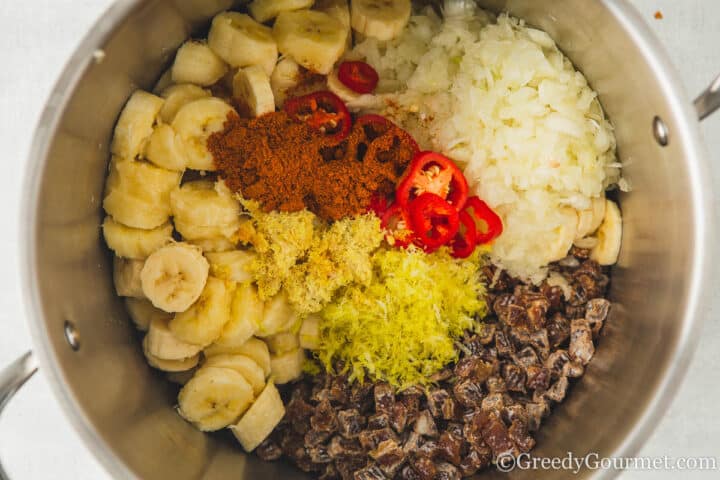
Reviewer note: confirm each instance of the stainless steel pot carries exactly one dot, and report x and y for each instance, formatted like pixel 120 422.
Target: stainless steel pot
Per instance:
pixel 90 354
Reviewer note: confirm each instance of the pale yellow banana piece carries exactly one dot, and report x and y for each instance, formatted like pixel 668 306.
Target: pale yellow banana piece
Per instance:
pixel 286 367
pixel 564 235
pixel 313 39
pixel 137 194
pixel 166 149
pixel 161 342
pixel 589 220
pixel 194 123
pixel 196 63
pixel 215 245
pixel 170 365
pixel 203 209
pixel 253 348
pixel 340 11
pixel 126 277
pixel 214 398
pixel 278 316
pixel 203 322
pixel 235 265
pixel 245 314
pixel 251 87
pixel 285 77
pixel 381 19
pixel 609 236
pixel 135 243
pixel 264 10
pixel 260 419
pixel 177 96
pixel 135 124
pixel 163 82
pixel 174 277
pixel 310 332
pixel 283 342
pixel 241 41
pixel 245 366
pixel 142 313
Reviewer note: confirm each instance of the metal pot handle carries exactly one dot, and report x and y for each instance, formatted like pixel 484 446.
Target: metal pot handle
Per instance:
pixel 709 101
pixel 11 379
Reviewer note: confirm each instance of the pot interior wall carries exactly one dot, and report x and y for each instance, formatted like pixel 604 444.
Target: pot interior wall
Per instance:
pixel 108 382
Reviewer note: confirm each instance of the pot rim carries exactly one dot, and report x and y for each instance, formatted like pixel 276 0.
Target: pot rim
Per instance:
pixel 701 200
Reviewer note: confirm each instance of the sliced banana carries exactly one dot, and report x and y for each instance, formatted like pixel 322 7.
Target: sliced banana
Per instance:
pixel 287 367
pixel 245 366
pixel 161 342
pixel 589 220
pixel 245 314
pixel 203 322
pixel 261 419
pixel 563 236
pixel 142 313
pixel 137 194
pixel 174 277
pixel 381 19
pixel 214 398
pixel 177 96
pixel 253 348
pixel 170 365
pixel 285 77
pixel 313 39
pixel 126 277
pixel 165 149
pixel 278 316
pixel 135 124
pixel 215 245
pixel 135 243
pixel 241 41
pixel 310 332
pixel 338 88
pixel 251 86
pixel 340 11
pixel 194 123
pixel 163 82
pixel 235 265
pixel 264 10
pixel 609 236
pixel 283 342
pixel 204 209
pixel 196 63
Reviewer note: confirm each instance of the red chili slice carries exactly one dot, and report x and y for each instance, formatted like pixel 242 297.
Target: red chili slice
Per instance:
pixel 434 221
pixel 396 224
pixel 379 204
pixel 433 173
pixel 323 111
pixel 488 224
pixel 358 76
pixel 463 245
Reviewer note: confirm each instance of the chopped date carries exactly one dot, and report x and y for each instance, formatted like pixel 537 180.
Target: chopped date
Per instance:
pixel 347 467
pixel 558 328
pixel 412 442
pixel 557 391
pixel 449 447
pixel 342 448
pixel 446 471
pixel 581 345
pixel 596 311
pixel 514 377
pixel 371 472
pixel 384 397
pixel 370 439
pixel 540 342
pixel 504 347
pixel 538 378
pixel 389 456
pixel 556 362
pixel 350 422
pixel 494 433
pixel 425 424
pixel 398 417
pixel 493 403
pixel 441 404
pixel 518 433
pixel 515 412
pixel 425 468
pixel 378 421
pixel 476 459
pixel 526 357
pixel 319 454
pixel 268 450
pixel 573 369
pixel 428 449
pixel 325 417
pixel 496 384
pixel 316 437
pixel 468 393
pixel 408 473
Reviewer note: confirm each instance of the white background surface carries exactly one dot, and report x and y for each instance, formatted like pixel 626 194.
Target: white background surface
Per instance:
pixel 36 38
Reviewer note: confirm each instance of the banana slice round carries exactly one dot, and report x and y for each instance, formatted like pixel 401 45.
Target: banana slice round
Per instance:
pixel 285 77
pixel 278 316
pixel 313 39
pixel 215 245
pixel 281 343
pixel 203 322
pixel 174 277
pixel 609 236
pixel 135 243
pixel 310 332
pixel 253 348
pixel 203 209
pixel 126 277
pixel 235 265
pixel 589 220
pixel 381 19
pixel 142 313
pixel 177 96
pixel 245 366
pixel 165 149
pixel 135 124
pixel 196 63
pixel 161 342
pixel 170 365
pixel 251 86
pixel 264 10
pixel 287 367
pixel 245 314
pixel 260 420
pixel 214 398
pixel 563 236
pixel 194 123
pixel 241 41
